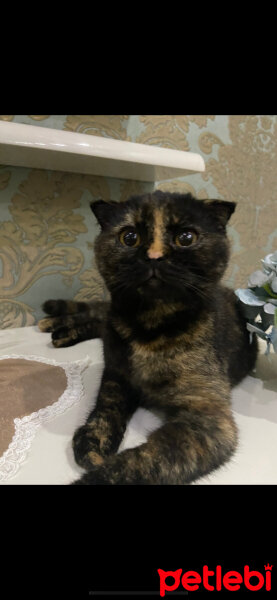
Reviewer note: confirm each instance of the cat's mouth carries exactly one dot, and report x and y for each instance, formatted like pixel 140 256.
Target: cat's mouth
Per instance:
pixel 152 278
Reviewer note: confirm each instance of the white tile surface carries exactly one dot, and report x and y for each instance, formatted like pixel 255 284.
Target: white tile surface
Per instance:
pixel 50 459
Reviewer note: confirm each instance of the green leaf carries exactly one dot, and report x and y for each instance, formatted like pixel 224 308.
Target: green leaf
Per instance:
pixel 268 289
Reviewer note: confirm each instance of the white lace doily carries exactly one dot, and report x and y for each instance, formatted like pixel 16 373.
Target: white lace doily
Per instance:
pixel 25 428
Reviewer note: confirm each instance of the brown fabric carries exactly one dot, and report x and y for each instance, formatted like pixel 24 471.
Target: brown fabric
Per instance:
pixel 26 386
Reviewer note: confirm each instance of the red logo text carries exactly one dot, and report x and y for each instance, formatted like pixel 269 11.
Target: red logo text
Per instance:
pixel 215 580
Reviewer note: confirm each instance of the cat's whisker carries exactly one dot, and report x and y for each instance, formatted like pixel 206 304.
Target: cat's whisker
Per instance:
pixel 198 291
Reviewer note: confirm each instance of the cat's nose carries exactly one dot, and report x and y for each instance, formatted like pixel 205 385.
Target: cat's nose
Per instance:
pixel 154 254
pixel 153 262
pixel 154 257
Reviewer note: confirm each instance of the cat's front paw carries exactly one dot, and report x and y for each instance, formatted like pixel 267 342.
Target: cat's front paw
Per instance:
pixel 86 448
pixel 63 336
pixel 46 325
pixel 56 309
pixel 63 321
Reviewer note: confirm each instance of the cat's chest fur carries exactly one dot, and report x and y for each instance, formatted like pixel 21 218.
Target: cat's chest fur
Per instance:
pixel 171 361
pixel 154 363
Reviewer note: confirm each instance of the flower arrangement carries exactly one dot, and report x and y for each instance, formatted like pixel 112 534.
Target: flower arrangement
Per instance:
pixel 259 302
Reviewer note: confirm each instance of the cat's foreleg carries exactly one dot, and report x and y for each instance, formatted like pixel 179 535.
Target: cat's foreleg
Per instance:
pixel 106 424
pixel 189 446
pixel 72 322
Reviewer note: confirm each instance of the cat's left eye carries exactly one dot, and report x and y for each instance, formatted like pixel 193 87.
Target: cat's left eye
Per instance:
pixel 185 238
pixel 129 237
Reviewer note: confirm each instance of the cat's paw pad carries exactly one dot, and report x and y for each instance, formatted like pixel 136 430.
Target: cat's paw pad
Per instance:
pixel 64 336
pixel 46 324
pixel 60 327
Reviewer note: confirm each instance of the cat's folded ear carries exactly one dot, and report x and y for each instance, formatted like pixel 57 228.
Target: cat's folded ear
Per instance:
pixel 104 211
pixel 221 210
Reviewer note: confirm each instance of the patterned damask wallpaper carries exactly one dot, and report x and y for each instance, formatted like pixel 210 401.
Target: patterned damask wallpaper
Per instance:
pixel 47 229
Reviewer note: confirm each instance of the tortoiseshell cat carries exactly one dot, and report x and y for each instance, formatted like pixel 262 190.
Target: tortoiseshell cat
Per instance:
pixel 174 339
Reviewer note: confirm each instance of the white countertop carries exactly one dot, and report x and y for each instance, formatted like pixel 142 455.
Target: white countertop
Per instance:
pixel 50 459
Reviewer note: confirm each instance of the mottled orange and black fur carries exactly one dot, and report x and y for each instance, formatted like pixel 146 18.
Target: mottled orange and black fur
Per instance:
pixel 174 339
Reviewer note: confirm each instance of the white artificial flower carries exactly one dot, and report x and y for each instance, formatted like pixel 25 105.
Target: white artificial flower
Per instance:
pixel 259 278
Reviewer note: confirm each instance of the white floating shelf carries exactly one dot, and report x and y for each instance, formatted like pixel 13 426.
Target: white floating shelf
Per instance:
pixel 44 148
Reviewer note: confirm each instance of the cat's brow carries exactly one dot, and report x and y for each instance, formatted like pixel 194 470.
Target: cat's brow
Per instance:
pixel 133 217
pixel 129 219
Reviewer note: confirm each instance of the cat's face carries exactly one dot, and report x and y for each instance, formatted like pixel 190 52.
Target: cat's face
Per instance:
pixel 162 245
